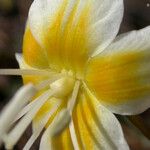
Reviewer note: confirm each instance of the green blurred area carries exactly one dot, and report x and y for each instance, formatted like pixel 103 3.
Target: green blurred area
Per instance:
pixel 13 15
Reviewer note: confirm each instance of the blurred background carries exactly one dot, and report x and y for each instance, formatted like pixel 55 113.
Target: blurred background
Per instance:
pixel 13 15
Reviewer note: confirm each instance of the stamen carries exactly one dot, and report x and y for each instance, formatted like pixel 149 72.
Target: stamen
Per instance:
pixel 25 72
pixel 73 98
pixel 73 136
pixel 17 132
pixel 45 143
pixel 70 107
pixel 40 128
pixel 58 124
pixel 21 98
pixel 25 110
pixel 39 87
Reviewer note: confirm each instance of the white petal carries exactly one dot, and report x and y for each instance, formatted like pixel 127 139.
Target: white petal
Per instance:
pixel 96 127
pixel 120 76
pixel 106 24
pixel 21 62
pixel 134 41
pixel 113 129
pixel 104 19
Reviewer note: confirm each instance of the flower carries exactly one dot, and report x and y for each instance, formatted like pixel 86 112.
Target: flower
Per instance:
pixel 76 75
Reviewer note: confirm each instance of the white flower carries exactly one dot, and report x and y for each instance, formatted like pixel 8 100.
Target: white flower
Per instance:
pixel 76 74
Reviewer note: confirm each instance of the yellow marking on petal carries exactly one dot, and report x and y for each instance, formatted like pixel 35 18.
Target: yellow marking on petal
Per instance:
pixel 46 108
pixel 84 132
pixel 32 52
pixel 63 141
pixel 34 79
pixel 86 125
pixel 119 78
pixel 66 43
pixel 76 125
pixel 52 38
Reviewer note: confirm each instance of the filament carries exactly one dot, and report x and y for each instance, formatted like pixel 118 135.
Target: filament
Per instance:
pixel 25 72
pixel 39 87
pixel 25 110
pixel 71 104
pixel 73 98
pixel 17 132
pixel 40 128
pixel 21 98
pixel 58 124
pixel 73 136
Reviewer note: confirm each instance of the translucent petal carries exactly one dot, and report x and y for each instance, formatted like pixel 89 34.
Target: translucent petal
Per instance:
pixel 120 76
pixel 92 126
pixel 68 32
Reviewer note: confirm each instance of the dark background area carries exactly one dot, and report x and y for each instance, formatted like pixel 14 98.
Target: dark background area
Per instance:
pixel 13 15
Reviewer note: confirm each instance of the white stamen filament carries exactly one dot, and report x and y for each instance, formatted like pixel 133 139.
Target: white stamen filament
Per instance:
pixel 25 72
pixel 60 88
pixel 70 106
pixel 73 98
pixel 21 98
pixel 12 138
pixel 73 136
pixel 39 87
pixel 40 128
pixel 58 124
pixel 25 110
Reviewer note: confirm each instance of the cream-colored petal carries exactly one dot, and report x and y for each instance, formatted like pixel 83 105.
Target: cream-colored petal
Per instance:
pixel 107 17
pixel 92 126
pixel 33 53
pixel 120 76
pixel 21 62
pixel 29 78
pixel 59 142
pixel 69 31
pixel 57 135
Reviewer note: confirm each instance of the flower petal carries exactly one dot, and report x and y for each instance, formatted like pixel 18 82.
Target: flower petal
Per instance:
pixel 107 16
pixel 33 52
pixel 57 135
pixel 62 141
pixel 43 111
pixel 69 31
pixel 120 75
pixel 92 126
pixel 29 78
